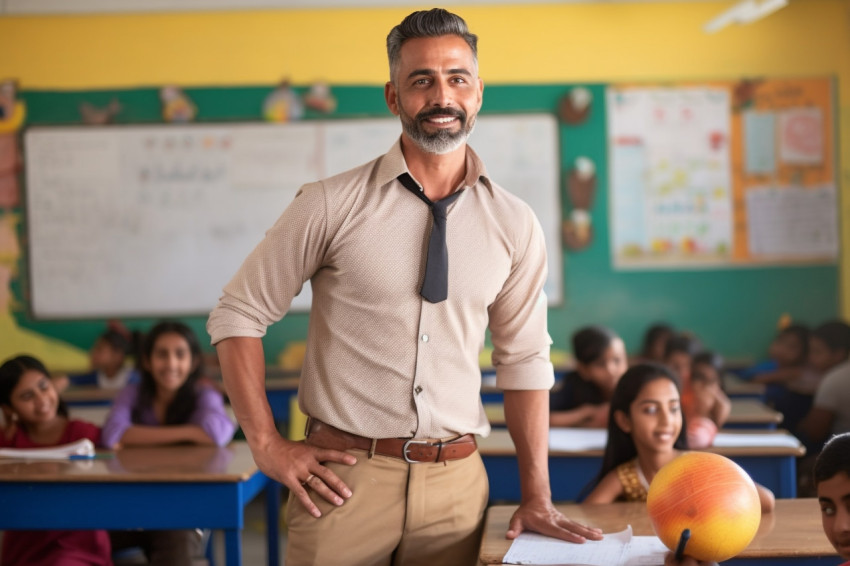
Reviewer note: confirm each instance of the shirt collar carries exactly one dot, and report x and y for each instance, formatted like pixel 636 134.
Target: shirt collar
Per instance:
pixel 392 165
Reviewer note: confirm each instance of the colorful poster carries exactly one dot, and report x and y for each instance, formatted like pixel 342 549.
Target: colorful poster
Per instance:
pixel 670 167
pixel 801 136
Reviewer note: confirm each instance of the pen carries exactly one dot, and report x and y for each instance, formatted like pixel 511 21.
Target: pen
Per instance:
pixel 683 540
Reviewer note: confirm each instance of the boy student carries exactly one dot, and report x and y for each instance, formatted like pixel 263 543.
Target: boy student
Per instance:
pixel 832 481
pixel 390 380
pixel 830 407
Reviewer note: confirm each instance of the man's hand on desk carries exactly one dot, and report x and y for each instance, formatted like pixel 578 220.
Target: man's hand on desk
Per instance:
pixel 542 517
pixel 299 466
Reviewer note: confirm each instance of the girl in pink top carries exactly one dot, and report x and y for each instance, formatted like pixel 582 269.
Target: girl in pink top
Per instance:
pixel 35 417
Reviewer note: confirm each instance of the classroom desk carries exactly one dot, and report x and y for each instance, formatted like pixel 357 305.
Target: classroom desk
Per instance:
pixel 88 395
pixel 173 487
pixel 96 414
pixel 280 391
pixel 751 413
pixel 792 534
pixel 741 389
pixel 746 413
pixel 570 471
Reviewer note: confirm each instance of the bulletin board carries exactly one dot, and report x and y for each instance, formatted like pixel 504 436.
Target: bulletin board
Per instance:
pixel 723 173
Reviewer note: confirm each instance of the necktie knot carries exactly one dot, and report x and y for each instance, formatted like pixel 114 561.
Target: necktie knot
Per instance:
pixel 435 285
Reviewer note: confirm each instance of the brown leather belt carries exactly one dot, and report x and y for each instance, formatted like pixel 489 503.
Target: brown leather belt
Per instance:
pixel 407 449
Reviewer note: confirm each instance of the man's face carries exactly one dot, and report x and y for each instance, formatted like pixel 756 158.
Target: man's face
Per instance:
pixel 436 92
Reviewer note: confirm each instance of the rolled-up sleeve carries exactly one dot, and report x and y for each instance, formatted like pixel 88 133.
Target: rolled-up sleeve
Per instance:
pixel 262 290
pixel 518 316
pixel 120 416
pixel 211 415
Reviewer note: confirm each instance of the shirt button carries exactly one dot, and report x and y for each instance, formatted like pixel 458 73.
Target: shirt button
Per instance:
pixel 424 337
pixel 418 389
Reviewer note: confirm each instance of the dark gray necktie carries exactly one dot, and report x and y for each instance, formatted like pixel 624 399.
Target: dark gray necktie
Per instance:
pixel 435 286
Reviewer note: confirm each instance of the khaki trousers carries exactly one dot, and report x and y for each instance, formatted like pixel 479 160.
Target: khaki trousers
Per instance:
pixel 399 514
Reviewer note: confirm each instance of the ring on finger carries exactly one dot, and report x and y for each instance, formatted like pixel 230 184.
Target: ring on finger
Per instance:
pixel 305 482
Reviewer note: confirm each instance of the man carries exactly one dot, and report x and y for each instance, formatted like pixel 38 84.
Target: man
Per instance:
pixel 389 472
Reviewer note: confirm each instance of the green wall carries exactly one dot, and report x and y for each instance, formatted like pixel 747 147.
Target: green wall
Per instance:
pixel 734 310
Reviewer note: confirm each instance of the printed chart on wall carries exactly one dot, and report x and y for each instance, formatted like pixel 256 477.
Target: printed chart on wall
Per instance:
pixel 723 173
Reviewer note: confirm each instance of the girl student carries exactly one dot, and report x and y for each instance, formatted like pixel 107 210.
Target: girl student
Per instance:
pixel 169 405
pixel 646 430
pixel 35 417
pixel 709 406
pixel 582 399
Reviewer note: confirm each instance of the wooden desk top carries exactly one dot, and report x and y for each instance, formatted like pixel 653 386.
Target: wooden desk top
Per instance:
pixel 751 411
pixel 184 463
pixel 499 443
pixel 88 393
pixel 793 529
pixel 734 385
pixel 744 411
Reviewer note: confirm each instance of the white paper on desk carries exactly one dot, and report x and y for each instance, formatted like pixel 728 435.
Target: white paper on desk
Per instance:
pixel 574 439
pixel 615 549
pixel 733 440
pixel 83 447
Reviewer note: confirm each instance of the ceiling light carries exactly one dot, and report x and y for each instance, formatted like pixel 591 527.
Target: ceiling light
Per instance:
pixel 744 12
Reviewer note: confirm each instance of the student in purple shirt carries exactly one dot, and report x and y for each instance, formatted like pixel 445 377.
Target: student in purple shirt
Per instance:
pixel 168 406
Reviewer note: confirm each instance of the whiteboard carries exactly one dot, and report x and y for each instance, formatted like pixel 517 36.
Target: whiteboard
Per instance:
pixel 154 220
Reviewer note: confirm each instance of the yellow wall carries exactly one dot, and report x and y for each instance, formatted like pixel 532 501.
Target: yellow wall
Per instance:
pixel 519 44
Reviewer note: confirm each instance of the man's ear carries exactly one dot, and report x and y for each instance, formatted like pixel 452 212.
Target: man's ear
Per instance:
pixel 623 421
pixel 391 96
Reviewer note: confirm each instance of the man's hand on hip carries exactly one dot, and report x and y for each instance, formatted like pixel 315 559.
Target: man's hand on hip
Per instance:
pixel 299 466
pixel 542 517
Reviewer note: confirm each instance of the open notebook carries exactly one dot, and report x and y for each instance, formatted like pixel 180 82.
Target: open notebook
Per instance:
pixel 615 549
pixel 80 449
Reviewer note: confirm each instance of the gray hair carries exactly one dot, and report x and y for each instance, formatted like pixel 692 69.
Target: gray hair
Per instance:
pixel 427 23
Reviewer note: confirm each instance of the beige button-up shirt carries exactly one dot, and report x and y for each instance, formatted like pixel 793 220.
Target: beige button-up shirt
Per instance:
pixel 381 361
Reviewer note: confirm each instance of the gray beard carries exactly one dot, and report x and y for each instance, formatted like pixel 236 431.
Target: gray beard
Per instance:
pixel 440 142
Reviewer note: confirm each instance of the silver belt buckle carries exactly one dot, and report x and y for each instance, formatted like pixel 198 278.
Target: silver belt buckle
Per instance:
pixel 406 447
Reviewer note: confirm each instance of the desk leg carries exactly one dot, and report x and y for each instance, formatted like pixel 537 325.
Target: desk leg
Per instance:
pixel 233 547
pixel 273 491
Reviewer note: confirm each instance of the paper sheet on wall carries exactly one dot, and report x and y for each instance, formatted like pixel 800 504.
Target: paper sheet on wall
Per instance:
pixel 615 549
pixel 671 189
pixel 793 221
pixel 760 142
pixel 801 136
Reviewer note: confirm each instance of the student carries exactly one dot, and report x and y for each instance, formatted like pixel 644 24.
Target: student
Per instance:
pixel 818 409
pixel 35 417
pixel 679 352
pixel 787 357
pixel 108 362
pixel 168 406
pixel 645 432
pixel 654 343
pixel 830 411
pixel 583 398
pixel 709 406
pixel 832 481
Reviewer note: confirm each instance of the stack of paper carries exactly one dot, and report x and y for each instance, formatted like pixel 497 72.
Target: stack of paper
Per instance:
pixel 615 549
pixel 83 448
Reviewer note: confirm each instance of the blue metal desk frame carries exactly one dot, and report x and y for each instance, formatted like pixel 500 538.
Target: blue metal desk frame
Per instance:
pixel 142 505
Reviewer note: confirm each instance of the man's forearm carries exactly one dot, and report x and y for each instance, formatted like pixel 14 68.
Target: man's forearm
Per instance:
pixel 243 371
pixel 527 417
